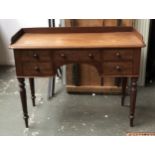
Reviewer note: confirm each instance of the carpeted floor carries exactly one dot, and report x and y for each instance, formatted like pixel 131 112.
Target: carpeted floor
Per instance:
pixel 71 115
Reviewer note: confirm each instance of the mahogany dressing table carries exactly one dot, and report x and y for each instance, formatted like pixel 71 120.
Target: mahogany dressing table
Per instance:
pixel 38 52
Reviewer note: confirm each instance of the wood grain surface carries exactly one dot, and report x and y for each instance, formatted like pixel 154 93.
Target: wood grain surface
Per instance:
pixel 77 40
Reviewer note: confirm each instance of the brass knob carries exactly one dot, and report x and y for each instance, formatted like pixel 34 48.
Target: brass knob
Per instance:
pixel 35 55
pixel 118 54
pixel 37 69
pixel 91 55
pixel 118 68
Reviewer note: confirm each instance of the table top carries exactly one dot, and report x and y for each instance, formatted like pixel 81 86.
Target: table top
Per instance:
pixel 57 38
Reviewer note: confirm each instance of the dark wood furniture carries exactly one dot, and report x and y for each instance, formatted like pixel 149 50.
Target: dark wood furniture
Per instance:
pixel 113 51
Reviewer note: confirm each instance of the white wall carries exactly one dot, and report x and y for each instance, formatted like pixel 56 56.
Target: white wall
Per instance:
pixel 9 27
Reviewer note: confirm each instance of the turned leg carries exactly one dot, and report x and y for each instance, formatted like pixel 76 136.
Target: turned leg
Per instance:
pixel 23 99
pixel 124 83
pixel 133 94
pixel 32 87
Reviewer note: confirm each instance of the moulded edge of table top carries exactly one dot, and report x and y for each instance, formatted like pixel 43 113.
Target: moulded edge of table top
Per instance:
pixel 75 31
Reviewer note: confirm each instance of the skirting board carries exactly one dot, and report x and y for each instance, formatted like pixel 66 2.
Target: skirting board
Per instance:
pixel 94 89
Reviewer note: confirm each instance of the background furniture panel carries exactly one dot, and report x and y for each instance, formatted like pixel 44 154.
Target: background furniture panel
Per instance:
pixel 84 79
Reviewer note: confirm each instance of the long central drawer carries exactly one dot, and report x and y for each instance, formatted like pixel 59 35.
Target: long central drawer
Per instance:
pixel 77 55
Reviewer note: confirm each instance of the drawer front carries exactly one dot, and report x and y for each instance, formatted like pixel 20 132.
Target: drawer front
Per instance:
pixel 117 55
pixel 77 55
pixel 37 69
pixel 117 68
pixel 36 55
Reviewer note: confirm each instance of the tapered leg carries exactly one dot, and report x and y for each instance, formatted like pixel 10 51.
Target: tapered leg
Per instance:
pixel 49 88
pixel 32 87
pixel 59 72
pixel 23 99
pixel 53 86
pixel 124 83
pixel 133 95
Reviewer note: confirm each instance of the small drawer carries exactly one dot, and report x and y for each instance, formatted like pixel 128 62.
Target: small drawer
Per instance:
pixel 117 68
pixel 35 55
pixel 117 55
pixel 37 69
pixel 77 55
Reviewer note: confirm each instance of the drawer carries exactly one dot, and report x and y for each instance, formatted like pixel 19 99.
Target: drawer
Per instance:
pixel 35 55
pixel 117 68
pixel 37 69
pixel 117 55
pixel 77 55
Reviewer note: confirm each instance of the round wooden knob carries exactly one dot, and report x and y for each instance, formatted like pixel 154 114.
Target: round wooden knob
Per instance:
pixel 37 69
pixel 118 54
pixel 91 55
pixel 35 55
pixel 118 68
